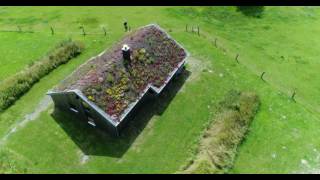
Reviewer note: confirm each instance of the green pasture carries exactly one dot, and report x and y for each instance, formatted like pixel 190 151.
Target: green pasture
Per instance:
pixel 283 137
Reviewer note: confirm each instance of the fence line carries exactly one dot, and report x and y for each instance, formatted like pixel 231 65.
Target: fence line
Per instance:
pixel 292 96
pixel 51 31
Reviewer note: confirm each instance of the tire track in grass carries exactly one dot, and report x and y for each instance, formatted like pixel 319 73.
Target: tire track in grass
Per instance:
pixel 42 106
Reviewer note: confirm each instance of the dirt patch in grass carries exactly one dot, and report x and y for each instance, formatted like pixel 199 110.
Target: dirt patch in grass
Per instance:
pixel 11 162
pixel 88 21
pixel 197 66
pixel 83 158
pixel 218 146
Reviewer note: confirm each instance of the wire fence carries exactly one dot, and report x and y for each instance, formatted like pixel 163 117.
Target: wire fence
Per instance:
pixel 195 29
pixel 103 31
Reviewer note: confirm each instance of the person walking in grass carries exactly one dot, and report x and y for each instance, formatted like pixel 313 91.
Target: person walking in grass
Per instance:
pixel 125 24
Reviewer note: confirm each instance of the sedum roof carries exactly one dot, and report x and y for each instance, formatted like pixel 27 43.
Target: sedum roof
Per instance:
pixel 112 86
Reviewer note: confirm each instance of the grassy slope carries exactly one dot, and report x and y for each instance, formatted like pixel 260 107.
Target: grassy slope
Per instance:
pixel 165 143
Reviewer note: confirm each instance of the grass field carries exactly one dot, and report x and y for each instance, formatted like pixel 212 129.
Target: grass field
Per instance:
pixel 283 137
pixel 20 50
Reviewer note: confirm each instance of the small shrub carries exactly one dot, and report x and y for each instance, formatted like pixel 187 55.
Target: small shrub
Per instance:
pixel 253 11
pixel 15 86
pixel 219 148
pixel 110 78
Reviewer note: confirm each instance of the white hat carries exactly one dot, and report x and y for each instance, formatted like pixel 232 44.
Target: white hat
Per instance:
pixel 125 47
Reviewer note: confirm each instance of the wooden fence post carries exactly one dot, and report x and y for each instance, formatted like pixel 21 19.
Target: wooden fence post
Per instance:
pixel 261 76
pixel 83 32
pixel 237 58
pixel 105 31
pixel 52 30
pixel 293 95
pixel 198 31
